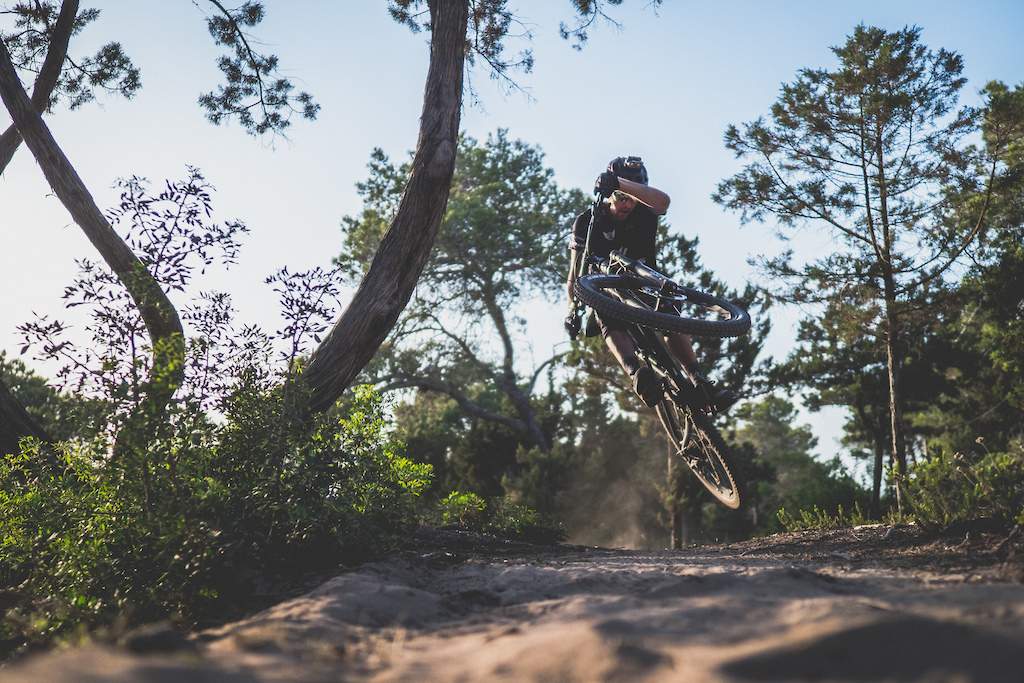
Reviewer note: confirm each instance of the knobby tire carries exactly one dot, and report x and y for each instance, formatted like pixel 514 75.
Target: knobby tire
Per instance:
pixel 698 443
pixel 622 297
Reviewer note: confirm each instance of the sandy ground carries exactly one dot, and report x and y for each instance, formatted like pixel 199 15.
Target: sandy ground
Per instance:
pixel 870 604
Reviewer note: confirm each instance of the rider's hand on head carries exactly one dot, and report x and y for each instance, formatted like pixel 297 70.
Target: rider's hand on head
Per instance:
pixel 605 184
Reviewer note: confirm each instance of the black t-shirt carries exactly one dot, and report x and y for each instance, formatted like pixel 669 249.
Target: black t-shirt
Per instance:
pixel 634 237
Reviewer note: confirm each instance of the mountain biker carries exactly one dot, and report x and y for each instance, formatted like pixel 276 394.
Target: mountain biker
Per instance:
pixel 627 222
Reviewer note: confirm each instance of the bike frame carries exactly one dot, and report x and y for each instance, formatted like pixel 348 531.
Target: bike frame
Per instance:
pixel 653 350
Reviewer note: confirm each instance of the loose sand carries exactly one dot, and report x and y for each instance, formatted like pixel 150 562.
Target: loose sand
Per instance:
pixel 869 604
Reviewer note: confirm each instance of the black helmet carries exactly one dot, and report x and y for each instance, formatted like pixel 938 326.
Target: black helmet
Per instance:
pixel 630 168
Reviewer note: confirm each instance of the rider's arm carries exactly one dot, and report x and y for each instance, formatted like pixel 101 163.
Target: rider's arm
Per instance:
pixel 574 268
pixel 652 197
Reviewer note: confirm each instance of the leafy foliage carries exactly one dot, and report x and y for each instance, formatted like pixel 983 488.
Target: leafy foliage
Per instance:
pixel 61 415
pixel 821 519
pixel 253 83
pixel 796 479
pixel 202 515
pixel 254 93
pixel 109 69
pixel 460 507
pixel 499 249
pixel 874 153
pixel 950 490
pixel 175 241
pixel 500 517
pixel 490 25
pixel 235 486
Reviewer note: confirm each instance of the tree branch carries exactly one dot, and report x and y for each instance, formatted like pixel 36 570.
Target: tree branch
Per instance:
pixel 48 77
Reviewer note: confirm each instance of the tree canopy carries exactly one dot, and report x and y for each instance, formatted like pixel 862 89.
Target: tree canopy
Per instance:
pixel 500 246
pixel 868 152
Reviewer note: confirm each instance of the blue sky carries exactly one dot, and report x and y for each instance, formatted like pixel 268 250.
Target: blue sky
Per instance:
pixel 664 87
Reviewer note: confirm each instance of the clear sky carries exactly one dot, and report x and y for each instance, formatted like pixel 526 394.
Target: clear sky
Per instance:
pixel 664 87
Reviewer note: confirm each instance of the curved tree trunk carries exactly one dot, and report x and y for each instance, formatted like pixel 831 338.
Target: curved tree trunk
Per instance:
pixel 391 278
pixel 49 74
pixel 160 317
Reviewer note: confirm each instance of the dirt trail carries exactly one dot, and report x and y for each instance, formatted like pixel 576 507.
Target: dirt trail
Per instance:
pixel 869 604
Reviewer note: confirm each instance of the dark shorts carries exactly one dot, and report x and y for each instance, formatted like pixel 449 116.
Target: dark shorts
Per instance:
pixel 606 324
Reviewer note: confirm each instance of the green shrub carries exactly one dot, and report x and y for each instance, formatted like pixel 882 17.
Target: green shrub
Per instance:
pixel 949 490
pixel 820 519
pixel 211 492
pixel 461 508
pixel 500 517
pixel 942 492
pixel 200 517
pixel 510 520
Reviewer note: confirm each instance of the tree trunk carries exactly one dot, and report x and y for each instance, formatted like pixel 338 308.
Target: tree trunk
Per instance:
pixel 46 81
pixel 391 278
pixel 15 422
pixel 878 446
pixel 892 321
pixel 508 382
pixel 527 415
pixel 161 318
pixel 680 539
pixel 877 433
pixel 898 444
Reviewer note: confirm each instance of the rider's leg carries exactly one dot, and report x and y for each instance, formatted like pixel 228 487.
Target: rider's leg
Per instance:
pixel 645 383
pixel 624 350
pixel 682 348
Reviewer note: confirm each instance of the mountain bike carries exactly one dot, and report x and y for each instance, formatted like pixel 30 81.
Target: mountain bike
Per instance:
pixel 651 303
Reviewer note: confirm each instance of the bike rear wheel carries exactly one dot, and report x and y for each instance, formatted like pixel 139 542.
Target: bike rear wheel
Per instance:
pixel 638 300
pixel 698 443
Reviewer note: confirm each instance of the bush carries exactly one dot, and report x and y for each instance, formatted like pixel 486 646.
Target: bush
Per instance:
pixel 820 519
pixel 500 517
pixel 942 493
pixel 950 490
pixel 199 518
pixel 209 493
pixel 461 508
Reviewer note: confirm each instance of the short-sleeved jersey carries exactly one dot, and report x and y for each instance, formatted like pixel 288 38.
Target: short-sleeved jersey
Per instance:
pixel 635 237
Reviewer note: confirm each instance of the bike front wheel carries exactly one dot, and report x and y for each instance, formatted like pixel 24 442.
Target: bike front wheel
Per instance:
pixel 638 300
pixel 698 443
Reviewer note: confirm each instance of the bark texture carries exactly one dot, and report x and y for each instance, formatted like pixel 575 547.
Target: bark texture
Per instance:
pixel 391 278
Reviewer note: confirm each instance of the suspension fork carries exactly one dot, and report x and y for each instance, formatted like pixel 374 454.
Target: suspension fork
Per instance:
pixel 585 260
pixel 585 257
